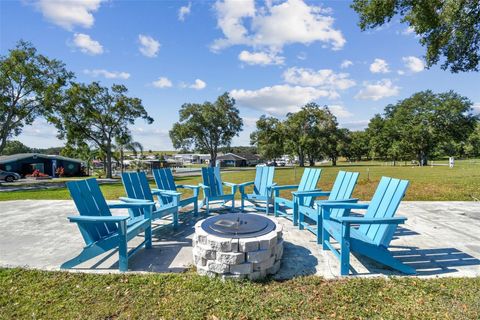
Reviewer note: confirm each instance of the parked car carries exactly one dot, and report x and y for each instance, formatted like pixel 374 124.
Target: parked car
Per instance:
pixel 282 163
pixel 9 176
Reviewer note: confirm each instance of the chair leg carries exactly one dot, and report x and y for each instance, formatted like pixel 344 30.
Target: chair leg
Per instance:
pixel 319 229
pixel 207 207
pixel 148 237
pixel 325 239
pixel 301 219
pixel 345 251
pixel 233 203
pixel 195 208
pixel 275 208
pixel 175 219
pixel 122 248
pixel 242 203
pixel 295 213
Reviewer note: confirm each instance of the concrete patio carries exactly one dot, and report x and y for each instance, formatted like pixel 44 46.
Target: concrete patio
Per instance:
pixel 439 239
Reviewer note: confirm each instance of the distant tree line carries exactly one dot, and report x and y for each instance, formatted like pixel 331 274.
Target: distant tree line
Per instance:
pixel 422 127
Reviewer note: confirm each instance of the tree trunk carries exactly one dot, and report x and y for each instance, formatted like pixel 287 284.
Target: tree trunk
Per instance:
pixel 301 160
pixel 109 160
pixel 121 160
pixel 422 158
pixel 334 161
pixel 213 159
pixel 3 143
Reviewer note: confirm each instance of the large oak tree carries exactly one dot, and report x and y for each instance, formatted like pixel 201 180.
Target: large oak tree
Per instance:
pixel 30 83
pixel 208 126
pixel 95 114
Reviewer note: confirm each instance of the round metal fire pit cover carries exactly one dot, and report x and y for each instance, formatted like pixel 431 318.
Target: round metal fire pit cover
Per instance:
pixel 238 225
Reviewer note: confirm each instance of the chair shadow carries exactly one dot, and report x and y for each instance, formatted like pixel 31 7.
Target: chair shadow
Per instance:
pixel 427 262
pixel 402 232
pixel 296 261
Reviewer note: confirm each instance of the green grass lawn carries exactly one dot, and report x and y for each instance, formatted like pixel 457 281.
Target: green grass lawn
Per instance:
pixel 461 183
pixel 61 295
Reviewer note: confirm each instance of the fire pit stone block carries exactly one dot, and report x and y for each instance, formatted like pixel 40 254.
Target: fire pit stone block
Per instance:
pixel 237 258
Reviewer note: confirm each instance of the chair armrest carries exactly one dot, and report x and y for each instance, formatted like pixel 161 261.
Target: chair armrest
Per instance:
pixel 230 184
pixel 97 219
pixel 344 205
pixel 187 186
pixel 321 202
pixel 362 220
pixel 285 187
pixel 132 205
pixel 132 200
pixel 203 186
pixel 166 193
pixel 313 193
pixel 242 185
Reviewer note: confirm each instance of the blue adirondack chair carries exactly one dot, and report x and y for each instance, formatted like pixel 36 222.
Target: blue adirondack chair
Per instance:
pixel 262 189
pixel 310 217
pixel 212 187
pixel 308 182
pixel 137 188
pixel 376 228
pixel 100 230
pixel 164 180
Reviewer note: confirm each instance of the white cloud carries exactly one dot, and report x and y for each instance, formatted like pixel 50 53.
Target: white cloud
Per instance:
pixel 184 11
pixel 346 63
pixel 302 56
pixel 340 111
pixel 162 82
pixel 401 72
pixel 379 66
pixel 324 78
pixel 198 85
pixel 408 31
pixel 280 99
pixel 413 64
pixel 107 74
pixel 274 26
pixel 378 90
pixel 476 108
pixel 86 44
pixel 69 14
pixel 355 125
pixel 148 46
pixel 260 58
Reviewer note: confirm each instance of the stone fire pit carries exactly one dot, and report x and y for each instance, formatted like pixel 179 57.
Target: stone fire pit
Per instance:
pixel 237 245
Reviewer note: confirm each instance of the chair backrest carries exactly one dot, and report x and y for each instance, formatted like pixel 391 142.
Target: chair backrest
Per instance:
pixel 263 179
pixel 384 204
pixel 89 200
pixel 137 187
pixel 164 180
pixel 342 189
pixel 309 182
pixel 211 178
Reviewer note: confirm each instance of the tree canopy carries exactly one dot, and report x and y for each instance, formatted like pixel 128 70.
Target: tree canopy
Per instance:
pixel 96 114
pixel 269 138
pixel 449 29
pixel 417 126
pixel 311 133
pixel 30 83
pixel 207 127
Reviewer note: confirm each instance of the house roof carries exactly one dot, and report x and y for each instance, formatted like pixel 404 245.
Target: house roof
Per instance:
pixel 236 157
pixel 21 156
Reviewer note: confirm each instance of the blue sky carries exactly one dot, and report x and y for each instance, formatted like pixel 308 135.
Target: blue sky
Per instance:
pixel 273 57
